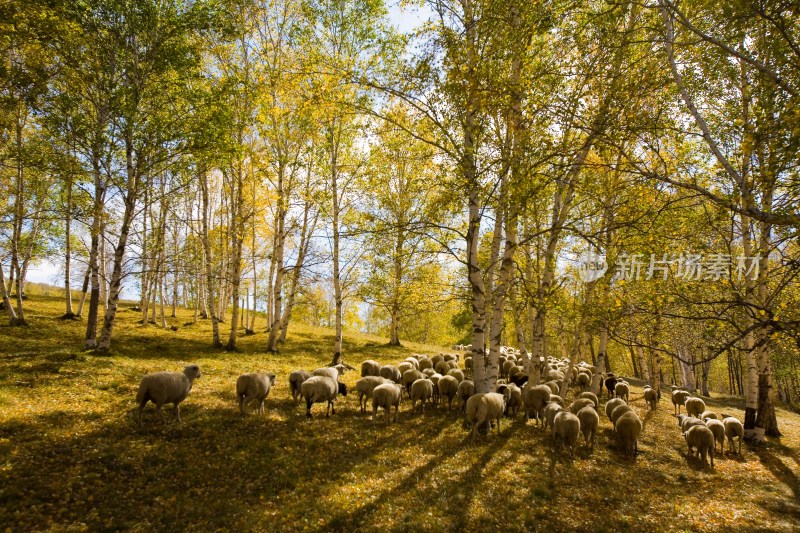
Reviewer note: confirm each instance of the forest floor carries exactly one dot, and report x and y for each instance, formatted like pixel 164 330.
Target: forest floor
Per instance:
pixel 72 457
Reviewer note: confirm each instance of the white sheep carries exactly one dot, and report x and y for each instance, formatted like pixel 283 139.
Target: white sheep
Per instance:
pixel 364 387
pixel 253 387
pixel 612 404
pixel 318 389
pixel 166 387
pixel 579 404
pixel 589 421
pixel 694 406
pixel 421 391
pixel 566 428
pixel 628 429
pixel 391 372
pixel 550 412
pixel 535 399
pixel 686 421
pixel 701 439
pixel 484 407
pixel 705 415
pixel 332 372
pixel 465 389
pixel 425 363
pixel 409 377
pixel 513 398
pixel 718 429
pixel 592 396
pixel 296 379
pixel 651 397
pixel 370 368
pixel 448 388
pixel 733 428
pixel 622 390
pixel 618 412
pixel 404 367
pixel 679 397
pixel 456 373
pixel 386 396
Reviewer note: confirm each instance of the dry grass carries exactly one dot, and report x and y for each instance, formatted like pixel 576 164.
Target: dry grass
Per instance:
pixel 72 458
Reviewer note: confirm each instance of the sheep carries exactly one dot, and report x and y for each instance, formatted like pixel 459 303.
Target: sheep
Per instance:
pixel 579 404
pixel 505 369
pixel 452 364
pixel 733 428
pixel 413 361
pixel 404 367
pixel 448 387
pixel 622 390
pixel 550 412
pixel 422 391
pixel 365 386
pixel 566 428
pixel 553 386
pixel 253 387
pixel 513 397
pixel 592 396
pixel 686 421
pixel 618 412
pixel 694 406
pixel 465 389
pixel 451 357
pixel 166 387
pixel 333 372
pixel 318 389
pixel 610 383
pixel 468 363
pixel 535 399
pixel 628 429
pixel 442 368
pixel 583 381
pixel 424 363
pixel 701 439
pixel 296 379
pixel 386 395
pixel 456 373
pixel 557 399
pixel 390 372
pixel 612 404
pixel 436 359
pixel 484 407
pixel 589 421
pixel 409 377
pixel 678 399
pixel 651 397
pixel 718 429
pixel 708 414
pixel 435 380
pixel 370 368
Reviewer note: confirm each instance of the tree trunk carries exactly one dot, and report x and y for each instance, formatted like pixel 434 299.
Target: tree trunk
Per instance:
pixel 280 240
pixel 68 311
pixel 104 342
pixel 12 315
pixel 212 308
pixel 84 291
pixel 94 256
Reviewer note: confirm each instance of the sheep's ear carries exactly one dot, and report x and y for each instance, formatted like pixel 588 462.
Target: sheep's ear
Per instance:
pixel 271 378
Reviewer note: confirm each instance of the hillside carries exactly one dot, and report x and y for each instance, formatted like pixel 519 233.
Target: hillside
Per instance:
pixel 73 458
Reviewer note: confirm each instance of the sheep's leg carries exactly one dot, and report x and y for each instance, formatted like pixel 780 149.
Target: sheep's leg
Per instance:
pixel 141 409
pixel 396 409
pixel 309 403
pixel 177 410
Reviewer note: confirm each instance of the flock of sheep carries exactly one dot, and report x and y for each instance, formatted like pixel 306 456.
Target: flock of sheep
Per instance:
pixel 436 380
pixel 703 429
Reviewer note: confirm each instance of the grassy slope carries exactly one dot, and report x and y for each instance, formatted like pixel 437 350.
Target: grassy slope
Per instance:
pixel 71 456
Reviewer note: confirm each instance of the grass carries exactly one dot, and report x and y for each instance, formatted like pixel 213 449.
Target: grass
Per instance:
pixel 72 457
